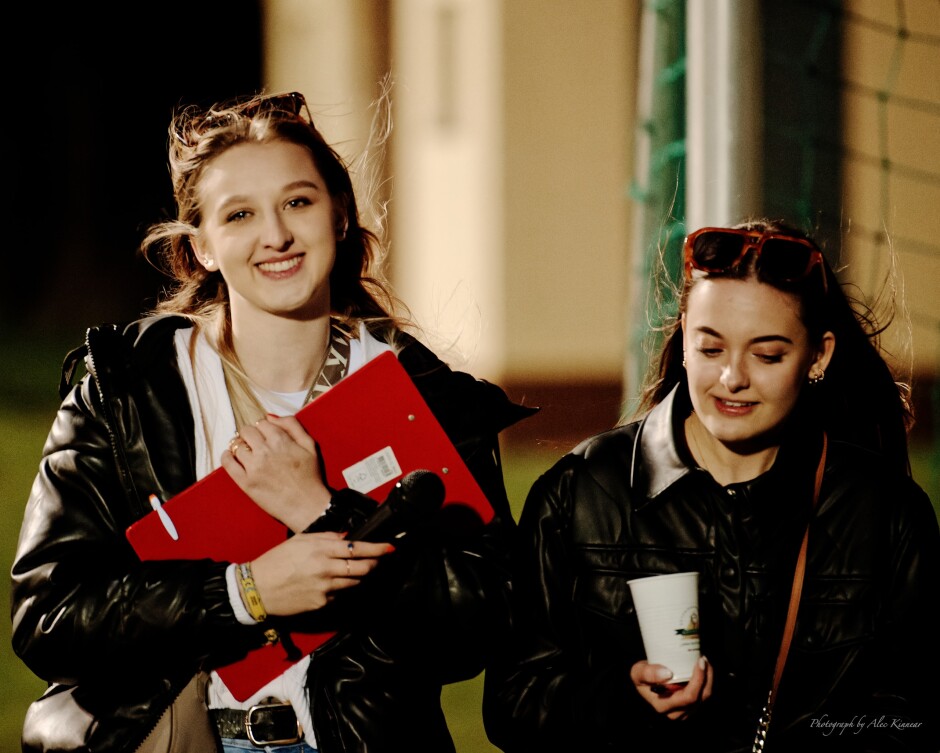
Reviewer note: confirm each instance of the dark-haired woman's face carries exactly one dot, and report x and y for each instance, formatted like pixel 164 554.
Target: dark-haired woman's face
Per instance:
pixel 268 227
pixel 748 356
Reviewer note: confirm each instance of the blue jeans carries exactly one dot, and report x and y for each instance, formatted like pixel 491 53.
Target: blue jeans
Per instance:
pixel 230 745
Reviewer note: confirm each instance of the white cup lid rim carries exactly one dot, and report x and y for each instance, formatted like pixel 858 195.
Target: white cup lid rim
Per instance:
pixel 663 575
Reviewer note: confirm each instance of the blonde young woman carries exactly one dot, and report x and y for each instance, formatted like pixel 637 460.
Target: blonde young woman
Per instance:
pixel 278 294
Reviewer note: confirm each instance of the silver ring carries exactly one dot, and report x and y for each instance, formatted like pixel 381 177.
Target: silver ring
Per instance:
pixel 349 546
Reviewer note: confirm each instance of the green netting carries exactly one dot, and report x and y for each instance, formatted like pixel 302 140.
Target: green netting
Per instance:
pixel 807 155
pixel 661 191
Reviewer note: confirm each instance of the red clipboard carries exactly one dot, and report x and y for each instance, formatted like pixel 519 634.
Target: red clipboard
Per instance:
pixel 371 428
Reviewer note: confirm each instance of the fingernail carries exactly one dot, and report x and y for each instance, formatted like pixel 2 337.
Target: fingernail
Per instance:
pixel 390 548
pixel 272 415
pixel 702 662
pixel 663 673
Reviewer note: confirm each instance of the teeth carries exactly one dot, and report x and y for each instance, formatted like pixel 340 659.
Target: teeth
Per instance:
pixel 279 266
pixel 734 404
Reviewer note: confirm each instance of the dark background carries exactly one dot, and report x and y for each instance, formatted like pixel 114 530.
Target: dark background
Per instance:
pixel 87 106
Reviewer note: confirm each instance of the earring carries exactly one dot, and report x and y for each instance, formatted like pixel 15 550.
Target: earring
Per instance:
pixel 683 359
pixel 207 261
pixel 817 376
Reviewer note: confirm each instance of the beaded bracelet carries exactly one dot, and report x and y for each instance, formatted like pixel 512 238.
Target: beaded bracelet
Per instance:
pixel 250 592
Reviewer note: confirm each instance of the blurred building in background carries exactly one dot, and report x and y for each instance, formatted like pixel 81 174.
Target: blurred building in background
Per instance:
pixel 543 153
pixel 509 170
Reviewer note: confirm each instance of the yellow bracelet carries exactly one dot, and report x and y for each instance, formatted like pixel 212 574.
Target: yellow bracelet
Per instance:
pixel 250 593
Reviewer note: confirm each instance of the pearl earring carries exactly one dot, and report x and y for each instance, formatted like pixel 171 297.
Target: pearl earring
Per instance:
pixel 207 261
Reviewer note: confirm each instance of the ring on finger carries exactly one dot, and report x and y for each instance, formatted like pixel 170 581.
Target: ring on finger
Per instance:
pixel 347 567
pixel 238 442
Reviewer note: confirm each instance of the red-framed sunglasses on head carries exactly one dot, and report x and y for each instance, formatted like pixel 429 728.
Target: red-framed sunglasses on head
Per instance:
pixel 778 257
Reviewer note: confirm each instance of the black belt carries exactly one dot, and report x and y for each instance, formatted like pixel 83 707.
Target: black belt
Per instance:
pixel 266 724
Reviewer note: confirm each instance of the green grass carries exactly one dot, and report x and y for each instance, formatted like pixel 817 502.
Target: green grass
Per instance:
pixel 22 434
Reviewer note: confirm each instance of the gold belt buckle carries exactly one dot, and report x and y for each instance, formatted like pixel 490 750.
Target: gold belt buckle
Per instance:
pixel 272 708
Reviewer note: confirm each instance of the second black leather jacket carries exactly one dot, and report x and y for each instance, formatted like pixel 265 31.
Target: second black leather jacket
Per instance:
pixel 117 639
pixel 631 503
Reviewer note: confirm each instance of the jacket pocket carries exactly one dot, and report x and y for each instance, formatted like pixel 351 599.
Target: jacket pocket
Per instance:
pixel 835 612
pixel 603 572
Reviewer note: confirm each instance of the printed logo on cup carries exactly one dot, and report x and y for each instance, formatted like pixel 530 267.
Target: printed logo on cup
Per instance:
pixel 689 622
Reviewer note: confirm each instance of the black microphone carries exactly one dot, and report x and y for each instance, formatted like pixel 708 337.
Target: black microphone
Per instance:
pixel 412 501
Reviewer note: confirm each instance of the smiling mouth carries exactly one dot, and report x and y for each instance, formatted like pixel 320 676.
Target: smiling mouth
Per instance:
pixel 735 403
pixel 281 265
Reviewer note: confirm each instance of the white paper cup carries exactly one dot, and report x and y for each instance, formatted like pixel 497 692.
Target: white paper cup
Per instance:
pixel 667 608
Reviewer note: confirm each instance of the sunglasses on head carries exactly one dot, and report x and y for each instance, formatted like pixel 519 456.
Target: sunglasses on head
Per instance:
pixel 289 106
pixel 777 257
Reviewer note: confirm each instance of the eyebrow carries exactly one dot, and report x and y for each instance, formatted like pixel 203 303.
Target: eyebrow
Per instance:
pixel 304 184
pixel 755 341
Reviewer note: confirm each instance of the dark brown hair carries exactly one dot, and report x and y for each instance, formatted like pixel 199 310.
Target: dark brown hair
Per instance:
pixel 858 401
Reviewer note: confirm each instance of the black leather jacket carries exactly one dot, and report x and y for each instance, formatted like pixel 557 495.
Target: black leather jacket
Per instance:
pixel 117 639
pixel 631 503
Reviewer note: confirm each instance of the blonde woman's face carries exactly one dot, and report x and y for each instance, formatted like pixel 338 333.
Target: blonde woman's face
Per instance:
pixel 748 356
pixel 268 227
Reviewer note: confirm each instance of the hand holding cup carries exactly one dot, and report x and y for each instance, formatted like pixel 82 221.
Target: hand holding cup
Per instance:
pixel 667 610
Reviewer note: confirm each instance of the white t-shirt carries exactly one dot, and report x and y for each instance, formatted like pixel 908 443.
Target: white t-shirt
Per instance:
pixel 209 400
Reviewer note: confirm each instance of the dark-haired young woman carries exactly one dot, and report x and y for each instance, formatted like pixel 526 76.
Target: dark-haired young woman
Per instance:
pixel 768 385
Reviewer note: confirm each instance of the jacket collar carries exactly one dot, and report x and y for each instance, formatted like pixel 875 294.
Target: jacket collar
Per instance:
pixel 660 457
pixel 657 462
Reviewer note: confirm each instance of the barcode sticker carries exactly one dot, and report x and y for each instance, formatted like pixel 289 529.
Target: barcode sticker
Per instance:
pixel 373 471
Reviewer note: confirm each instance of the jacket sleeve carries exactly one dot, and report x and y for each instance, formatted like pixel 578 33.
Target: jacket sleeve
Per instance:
pixel 899 670
pixel 543 691
pixel 81 601
pixel 864 657
pixel 441 600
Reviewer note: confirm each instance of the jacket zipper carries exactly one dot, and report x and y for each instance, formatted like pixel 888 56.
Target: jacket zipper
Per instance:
pixel 117 448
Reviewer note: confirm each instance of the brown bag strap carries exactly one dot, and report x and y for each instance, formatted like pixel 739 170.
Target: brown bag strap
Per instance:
pixel 798 577
pixel 795 592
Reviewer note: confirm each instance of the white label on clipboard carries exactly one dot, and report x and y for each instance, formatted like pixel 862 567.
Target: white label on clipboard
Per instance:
pixel 373 471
